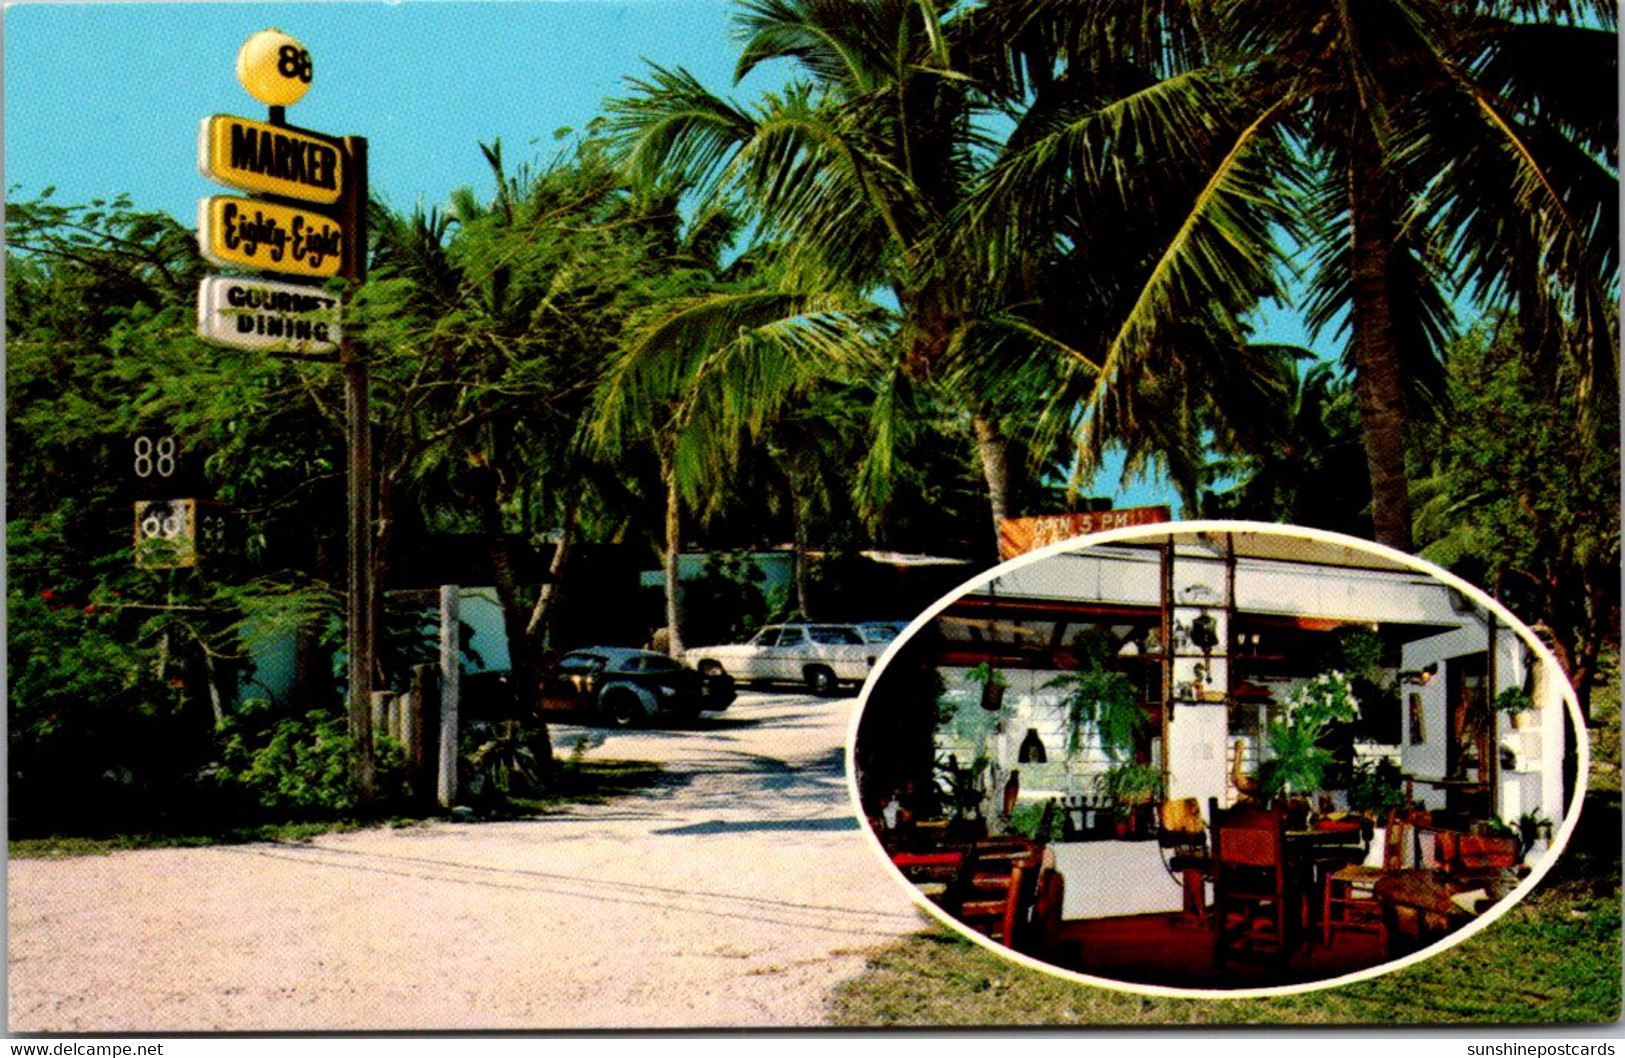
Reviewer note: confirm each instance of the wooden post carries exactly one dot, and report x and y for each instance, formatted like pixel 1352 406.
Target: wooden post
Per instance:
pixel 380 712
pixel 420 766
pixel 362 601
pixel 450 671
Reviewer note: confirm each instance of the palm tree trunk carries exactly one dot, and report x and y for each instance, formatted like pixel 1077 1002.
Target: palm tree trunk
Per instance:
pixel 522 660
pixel 547 600
pixel 674 552
pixel 798 559
pixel 994 449
pixel 1377 372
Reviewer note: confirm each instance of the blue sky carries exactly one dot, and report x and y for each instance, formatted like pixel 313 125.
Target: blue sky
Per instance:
pixel 103 98
pixel 106 98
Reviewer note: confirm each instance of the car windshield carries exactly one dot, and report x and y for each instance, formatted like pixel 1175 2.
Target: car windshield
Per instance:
pixel 879 633
pixel 830 635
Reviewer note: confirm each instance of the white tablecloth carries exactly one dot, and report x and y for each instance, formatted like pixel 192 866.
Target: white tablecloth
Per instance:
pixel 1107 878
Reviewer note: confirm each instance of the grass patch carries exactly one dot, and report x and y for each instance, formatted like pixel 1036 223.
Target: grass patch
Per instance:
pixel 588 782
pixel 1551 960
pixel 1554 959
pixel 577 781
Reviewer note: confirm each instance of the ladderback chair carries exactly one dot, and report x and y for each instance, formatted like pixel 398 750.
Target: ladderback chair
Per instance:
pixel 998 890
pixel 1349 901
pixel 1253 895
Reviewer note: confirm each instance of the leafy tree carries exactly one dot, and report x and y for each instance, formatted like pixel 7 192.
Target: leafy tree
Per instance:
pixel 849 173
pixel 1432 144
pixel 1523 497
pixel 120 674
pixel 1308 468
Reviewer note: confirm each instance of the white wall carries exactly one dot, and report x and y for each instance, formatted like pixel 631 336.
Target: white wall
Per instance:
pixel 1535 783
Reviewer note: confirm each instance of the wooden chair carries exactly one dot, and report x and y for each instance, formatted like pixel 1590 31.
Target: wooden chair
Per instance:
pixel 997 889
pixel 1182 837
pixel 1255 909
pixel 1349 900
pixel 1044 938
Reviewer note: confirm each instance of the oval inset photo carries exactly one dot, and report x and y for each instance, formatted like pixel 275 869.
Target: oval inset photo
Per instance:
pixel 1218 758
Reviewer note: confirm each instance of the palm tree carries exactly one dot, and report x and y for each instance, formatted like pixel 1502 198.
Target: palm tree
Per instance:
pixel 701 375
pixel 489 324
pixel 851 170
pixel 1430 144
pixel 1307 466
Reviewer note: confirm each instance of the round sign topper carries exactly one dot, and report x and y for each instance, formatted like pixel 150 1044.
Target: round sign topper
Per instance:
pixel 274 67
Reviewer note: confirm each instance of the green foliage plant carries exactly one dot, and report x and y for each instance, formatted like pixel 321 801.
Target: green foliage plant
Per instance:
pixel 1513 700
pixel 1103 701
pixel 1298 760
pixel 504 763
pixel 1127 785
pixel 984 673
pixel 292 768
pixel 1376 788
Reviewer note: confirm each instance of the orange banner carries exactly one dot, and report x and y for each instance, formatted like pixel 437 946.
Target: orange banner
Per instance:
pixel 1017 536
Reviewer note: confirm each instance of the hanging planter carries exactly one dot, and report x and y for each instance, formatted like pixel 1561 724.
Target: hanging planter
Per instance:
pixel 993 685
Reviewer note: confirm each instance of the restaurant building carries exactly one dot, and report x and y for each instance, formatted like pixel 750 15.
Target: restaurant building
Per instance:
pixel 1218 632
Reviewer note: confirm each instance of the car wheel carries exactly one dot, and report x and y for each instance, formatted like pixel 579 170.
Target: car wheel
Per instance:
pixel 821 681
pixel 710 668
pixel 624 708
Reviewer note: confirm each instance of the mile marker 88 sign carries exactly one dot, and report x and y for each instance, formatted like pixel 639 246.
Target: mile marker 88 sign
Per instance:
pixel 177 534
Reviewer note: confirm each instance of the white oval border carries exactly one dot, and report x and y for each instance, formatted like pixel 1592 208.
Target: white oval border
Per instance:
pixel 1560 840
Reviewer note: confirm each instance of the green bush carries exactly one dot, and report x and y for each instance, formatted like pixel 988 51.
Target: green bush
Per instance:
pixel 297 768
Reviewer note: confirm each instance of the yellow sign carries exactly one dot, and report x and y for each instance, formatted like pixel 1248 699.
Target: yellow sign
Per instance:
pixel 270 159
pixel 269 237
pixel 275 68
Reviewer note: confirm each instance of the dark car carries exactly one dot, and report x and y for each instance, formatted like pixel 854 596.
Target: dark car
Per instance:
pixel 619 685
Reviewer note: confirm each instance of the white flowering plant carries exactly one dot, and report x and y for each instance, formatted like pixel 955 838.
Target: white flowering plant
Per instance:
pixel 1298 762
pixel 1324 699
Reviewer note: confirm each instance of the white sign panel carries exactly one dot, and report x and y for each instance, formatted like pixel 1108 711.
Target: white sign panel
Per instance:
pixel 269 316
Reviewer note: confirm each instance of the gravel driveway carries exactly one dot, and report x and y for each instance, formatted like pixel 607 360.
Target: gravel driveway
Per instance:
pixel 738 898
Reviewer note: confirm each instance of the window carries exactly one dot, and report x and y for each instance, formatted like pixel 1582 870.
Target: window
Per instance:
pixel 830 635
pixel 581 664
pixel 650 663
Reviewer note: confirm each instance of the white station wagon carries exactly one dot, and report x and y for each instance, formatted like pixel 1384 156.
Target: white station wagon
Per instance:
pixel 823 656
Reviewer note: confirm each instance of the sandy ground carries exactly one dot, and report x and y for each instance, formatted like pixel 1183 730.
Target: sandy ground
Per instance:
pixel 737 899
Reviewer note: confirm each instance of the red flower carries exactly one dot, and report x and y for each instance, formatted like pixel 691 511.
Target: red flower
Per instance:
pixel 91 608
pixel 47 594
